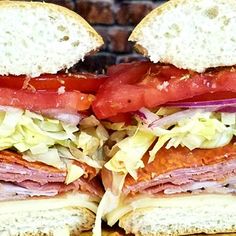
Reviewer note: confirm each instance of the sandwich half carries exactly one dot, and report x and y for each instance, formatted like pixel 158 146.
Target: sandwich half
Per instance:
pixel 50 144
pixel 172 153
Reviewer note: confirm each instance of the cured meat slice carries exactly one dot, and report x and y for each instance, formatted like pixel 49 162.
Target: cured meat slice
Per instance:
pixel 83 185
pixel 181 170
pixel 219 171
pixel 15 158
pixel 21 179
pixel 12 158
pixel 17 173
pixel 9 191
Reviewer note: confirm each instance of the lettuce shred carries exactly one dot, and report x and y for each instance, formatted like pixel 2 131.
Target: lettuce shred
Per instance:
pixel 199 129
pixel 51 141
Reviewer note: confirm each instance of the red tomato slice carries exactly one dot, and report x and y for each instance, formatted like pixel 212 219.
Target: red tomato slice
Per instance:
pixel 88 83
pixel 135 72
pixel 212 96
pixel 151 85
pixel 39 100
pixel 122 67
pixel 122 117
pixel 115 69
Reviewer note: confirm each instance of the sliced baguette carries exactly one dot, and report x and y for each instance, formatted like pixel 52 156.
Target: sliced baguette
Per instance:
pixel 64 215
pixel 38 37
pixel 59 222
pixel 190 34
pixel 192 214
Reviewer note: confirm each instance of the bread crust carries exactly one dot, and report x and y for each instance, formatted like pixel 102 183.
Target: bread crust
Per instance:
pixel 71 220
pixel 66 214
pixel 149 17
pixel 161 9
pixel 209 49
pixel 189 214
pixel 132 229
pixel 72 230
pixel 57 8
pixel 39 38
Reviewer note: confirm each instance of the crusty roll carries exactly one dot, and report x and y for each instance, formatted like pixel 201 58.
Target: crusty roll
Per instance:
pixel 192 35
pixel 154 178
pixel 46 192
pixel 49 39
pixel 65 215
pixel 183 215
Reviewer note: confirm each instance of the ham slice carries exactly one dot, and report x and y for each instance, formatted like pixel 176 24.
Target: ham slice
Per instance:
pixel 15 158
pixel 9 191
pixel 17 173
pixel 30 188
pixel 22 179
pixel 195 187
pixel 206 170
pixel 93 187
pixel 185 176
pixel 7 157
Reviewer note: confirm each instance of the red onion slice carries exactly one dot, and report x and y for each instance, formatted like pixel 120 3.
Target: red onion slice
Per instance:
pixel 172 119
pixel 204 104
pixel 153 120
pixel 146 115
pixel 231 109
pixel 62 115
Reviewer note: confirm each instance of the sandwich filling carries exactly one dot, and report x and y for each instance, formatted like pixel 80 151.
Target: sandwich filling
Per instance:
pixel 49 144
pixel 176 135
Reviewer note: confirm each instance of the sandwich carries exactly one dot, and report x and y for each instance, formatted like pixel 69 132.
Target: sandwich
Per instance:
pixel 171 153
pixel 50 143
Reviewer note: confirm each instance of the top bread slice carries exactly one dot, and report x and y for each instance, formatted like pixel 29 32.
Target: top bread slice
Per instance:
pixel 193 35
pixel 39 38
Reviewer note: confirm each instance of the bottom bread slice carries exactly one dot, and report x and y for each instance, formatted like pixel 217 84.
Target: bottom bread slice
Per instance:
pixel 183 215
pixel 59 216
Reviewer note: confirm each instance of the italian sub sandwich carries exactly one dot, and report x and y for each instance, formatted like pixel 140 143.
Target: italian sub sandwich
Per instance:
pixel 50 144
pixel 172 153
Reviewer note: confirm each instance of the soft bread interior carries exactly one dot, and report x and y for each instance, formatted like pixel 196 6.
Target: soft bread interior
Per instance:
pixel 70 221
pixel 41 38
pixel 194 35
pixel 64 215
pixel 183 215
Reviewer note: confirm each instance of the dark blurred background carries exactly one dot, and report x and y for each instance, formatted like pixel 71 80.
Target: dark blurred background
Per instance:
pixel 114 20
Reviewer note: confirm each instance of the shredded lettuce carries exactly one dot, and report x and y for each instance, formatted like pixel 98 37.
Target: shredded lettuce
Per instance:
pixel 51 157
pixel 74 172
pixel 164 111
pixel 51 141
pixel 202 130
pixel 228 118
pixel 192 129
pixel 131 150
